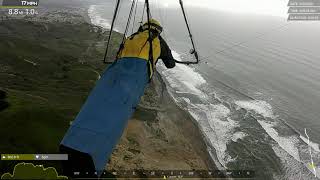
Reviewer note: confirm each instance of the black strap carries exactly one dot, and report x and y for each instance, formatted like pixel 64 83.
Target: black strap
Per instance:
pixel 150 60
pixel 156 26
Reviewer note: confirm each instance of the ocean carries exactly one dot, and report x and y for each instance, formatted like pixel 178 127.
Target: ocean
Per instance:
pixel 256 92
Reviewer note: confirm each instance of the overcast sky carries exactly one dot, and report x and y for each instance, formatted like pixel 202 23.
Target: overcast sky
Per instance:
pixel 266 7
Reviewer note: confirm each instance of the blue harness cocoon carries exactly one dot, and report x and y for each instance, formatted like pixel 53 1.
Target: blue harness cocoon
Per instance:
pixel 102 119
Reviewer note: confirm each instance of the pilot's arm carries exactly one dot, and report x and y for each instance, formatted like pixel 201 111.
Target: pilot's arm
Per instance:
pixel 166 54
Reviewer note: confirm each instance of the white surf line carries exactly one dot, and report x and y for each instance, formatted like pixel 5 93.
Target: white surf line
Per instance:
pixel 194 80
pixel 310 152
pixel 31 62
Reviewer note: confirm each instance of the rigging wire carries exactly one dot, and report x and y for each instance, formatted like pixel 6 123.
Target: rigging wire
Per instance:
pixel 193 51
pixel 125 32
pixel 128 22
pixel 147 7
pixel 134 17
pixel 144 7
pixel 111 30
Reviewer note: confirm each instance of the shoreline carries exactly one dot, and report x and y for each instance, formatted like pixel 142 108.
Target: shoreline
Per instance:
pixel 210 150
pixel 197 138
pixel 156 139
pixel 193 124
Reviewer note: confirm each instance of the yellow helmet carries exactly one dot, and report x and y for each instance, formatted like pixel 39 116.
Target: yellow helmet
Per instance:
pixel 154 25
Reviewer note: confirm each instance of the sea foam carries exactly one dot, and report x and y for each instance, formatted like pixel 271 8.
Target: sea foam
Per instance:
pixel 213 119
pixel 97 19
pixel 260 107
pixel 289 144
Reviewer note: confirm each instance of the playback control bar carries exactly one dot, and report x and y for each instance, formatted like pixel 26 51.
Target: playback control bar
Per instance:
pixel 34 157
pixel 167 174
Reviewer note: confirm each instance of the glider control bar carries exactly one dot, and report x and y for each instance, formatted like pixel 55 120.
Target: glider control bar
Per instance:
pixel 193 51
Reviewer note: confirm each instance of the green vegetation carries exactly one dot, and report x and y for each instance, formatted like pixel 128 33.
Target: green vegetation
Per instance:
pixel 30 171
pixel 47 71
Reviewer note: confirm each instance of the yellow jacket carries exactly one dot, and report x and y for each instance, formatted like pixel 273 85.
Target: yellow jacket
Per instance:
pixel 137 46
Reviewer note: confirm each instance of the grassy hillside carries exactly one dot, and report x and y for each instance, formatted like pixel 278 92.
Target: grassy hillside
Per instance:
pixel 48 68
pixel 46 72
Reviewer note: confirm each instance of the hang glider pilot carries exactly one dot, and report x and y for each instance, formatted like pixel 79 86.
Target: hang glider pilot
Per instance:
pixel 99 125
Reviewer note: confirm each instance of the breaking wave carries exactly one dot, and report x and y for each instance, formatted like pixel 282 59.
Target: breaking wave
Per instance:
pixel 220 129
pixel 260 107
pixel 96 18
pixel 190 91
pixel 213 118
pixel 296 146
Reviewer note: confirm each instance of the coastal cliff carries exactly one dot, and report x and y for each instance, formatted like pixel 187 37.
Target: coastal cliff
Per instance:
pixel 49 64
pixel 160 136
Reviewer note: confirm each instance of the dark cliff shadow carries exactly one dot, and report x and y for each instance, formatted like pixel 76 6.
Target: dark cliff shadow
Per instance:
pixel 3 104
